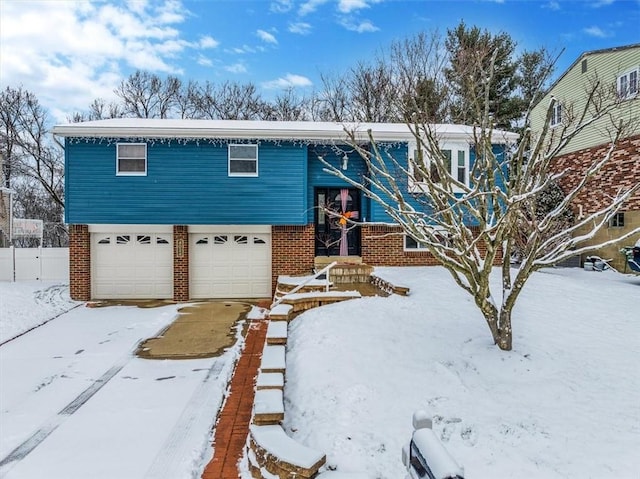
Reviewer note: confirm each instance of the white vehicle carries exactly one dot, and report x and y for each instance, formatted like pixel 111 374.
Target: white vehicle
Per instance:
pixel 425 456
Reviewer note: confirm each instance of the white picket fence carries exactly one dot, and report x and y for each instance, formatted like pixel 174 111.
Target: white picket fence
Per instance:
pixel 21 264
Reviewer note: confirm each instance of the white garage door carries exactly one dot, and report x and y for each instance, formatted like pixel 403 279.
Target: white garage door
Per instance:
pixel 131 266
pixel 230 265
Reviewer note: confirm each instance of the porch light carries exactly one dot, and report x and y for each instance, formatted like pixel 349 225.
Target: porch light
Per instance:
pixel 345 161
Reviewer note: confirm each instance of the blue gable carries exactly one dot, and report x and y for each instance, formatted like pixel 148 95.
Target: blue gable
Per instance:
pixel 186 183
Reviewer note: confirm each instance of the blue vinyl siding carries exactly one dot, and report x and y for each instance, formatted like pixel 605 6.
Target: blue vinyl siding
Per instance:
pixel 186 183
pixel 400 154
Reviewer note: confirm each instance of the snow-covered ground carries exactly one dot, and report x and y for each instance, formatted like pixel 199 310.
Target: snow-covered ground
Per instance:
pixel 565 403
pixel 75 402
pixel 26 304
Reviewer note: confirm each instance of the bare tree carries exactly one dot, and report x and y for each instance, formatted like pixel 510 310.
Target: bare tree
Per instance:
pixel 470 226
pixel 27 147
pixel 146 95
pixel 99 109
pixel 287 106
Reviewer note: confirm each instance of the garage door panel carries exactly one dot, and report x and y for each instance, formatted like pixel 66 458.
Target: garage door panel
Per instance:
pixel 230 265
pixel 132 266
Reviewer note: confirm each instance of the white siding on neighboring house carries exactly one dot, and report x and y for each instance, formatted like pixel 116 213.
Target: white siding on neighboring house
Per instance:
pixel 572 89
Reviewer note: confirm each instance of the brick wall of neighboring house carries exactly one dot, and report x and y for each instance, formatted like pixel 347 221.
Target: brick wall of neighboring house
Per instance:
pixel 292 251
pixel 623 171
pixel 79 262
pixel 180 263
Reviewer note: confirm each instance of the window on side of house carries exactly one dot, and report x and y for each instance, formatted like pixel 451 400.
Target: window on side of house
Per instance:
pixel 556 114
pixel 628 84
pixel 617 220
pixel 243 160
pixel 131 159
pixel 455 158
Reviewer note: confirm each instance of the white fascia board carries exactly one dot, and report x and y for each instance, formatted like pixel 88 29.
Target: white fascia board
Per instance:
pixel 268 130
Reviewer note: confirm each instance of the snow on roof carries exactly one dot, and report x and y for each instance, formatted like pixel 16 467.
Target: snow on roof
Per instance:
pixel 277 130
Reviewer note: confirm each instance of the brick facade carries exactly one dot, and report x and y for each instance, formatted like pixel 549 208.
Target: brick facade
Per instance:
pixel 383 245
pixel 79 263
pixel 180 263
pixel 292 251
pixel 622 172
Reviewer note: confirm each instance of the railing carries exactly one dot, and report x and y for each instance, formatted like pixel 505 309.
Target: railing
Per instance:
pixel 324 270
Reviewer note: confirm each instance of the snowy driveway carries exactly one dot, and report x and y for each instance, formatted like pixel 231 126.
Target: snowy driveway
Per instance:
pixel 76 403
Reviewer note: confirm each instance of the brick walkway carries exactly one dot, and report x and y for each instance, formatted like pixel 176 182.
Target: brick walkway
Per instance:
pixel 232 427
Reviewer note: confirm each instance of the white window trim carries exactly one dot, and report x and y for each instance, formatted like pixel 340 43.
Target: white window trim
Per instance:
pixel 420 247
pixel 627 74
pixel 229 173
pixel 131 173
pixel 454 147
pixel 556 119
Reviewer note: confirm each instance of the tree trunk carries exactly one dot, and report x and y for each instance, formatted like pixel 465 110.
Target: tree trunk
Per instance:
pixel 504 336
pixel 499 323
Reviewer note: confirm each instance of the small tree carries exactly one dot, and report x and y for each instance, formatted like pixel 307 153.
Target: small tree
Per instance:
pixel 486 218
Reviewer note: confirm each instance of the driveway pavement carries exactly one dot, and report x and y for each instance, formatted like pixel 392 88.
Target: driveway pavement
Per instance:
pixel 75 402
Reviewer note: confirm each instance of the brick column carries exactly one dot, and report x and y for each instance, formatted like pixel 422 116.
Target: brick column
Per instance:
pixel 180 263
pixel 292 251
pixel 79 262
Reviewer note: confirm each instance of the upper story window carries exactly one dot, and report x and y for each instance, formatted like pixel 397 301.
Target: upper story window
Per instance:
pixel 131 159
pixel 617 220
pixel 455 158
pixel 556 114
pixel 628 84
pixel 243 160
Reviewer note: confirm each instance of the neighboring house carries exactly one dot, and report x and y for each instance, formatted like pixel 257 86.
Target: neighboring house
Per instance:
pixel 189 209
pixel 617 70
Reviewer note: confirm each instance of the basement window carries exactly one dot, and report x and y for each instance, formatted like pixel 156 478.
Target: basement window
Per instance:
pixel 131 159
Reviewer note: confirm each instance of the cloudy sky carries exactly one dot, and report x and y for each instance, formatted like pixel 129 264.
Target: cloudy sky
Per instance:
pixel 71 52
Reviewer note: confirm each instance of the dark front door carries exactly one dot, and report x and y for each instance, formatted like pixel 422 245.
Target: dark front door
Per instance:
pixel 336 211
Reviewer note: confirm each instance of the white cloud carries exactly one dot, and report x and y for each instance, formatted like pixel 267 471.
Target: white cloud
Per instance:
pixel 208 42
pixel 596 32
pixel 348 6
pixel 300 28
pixel 288 81
pixel 552 5
pixel 92 44
pixel 601 3
pixel 310 6
pixel 266 37
pixel 281 6
pixel 364 26
pixel 236 68
pixel 204 61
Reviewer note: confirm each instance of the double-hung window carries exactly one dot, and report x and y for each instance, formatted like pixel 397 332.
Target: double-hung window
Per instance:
pixel 243 160
pixel 131 159
pixel 628 84
pixel 556 114
pixel 453 158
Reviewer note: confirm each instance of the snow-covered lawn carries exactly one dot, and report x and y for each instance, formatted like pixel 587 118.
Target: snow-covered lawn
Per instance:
pixel 75 402
pixel 26 304
pixel 565 403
